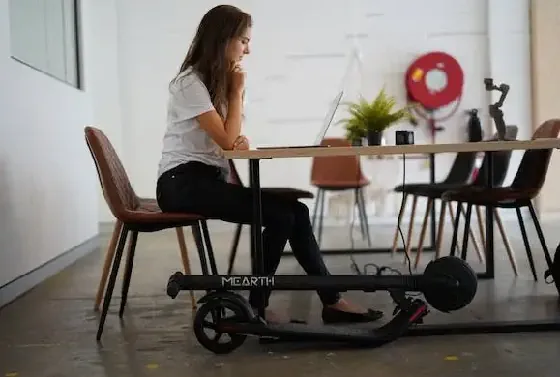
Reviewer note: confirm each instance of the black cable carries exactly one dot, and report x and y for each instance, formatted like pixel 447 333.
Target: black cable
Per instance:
pixel 378 270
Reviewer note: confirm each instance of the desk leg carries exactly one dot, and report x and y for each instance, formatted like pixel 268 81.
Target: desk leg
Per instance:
pixel 490 269
pixel 433 225
pixel 257 256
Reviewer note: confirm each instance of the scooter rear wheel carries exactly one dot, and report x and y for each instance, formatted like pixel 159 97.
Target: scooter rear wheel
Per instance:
pixel 208 317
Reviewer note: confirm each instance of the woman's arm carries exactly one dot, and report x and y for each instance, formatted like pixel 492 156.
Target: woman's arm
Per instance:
pixel 224 133
pixel 192 100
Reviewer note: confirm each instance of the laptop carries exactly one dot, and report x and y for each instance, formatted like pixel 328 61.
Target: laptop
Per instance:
pixel 322 132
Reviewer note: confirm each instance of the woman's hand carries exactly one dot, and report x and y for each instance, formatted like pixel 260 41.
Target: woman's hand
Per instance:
pixel 241 143
pixel 237 80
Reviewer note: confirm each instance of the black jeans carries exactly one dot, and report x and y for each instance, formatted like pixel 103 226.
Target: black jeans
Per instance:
pixel 198 188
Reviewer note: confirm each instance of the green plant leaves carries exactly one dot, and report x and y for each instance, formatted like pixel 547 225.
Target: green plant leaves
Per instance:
pixel 373 116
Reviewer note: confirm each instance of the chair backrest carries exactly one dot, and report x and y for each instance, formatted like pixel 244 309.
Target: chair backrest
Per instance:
pixel 463 165
pixel 117 190
pixel 336 168
pixel 500 162
pixel 461 169
pixel 533 167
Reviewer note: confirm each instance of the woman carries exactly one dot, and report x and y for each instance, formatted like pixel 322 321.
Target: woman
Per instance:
pixel 204 118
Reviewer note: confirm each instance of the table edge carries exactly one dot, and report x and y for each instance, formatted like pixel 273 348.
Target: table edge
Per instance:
pixel 482 146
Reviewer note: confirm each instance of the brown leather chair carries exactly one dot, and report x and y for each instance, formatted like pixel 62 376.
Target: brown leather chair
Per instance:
pixel 339 173
pixel 147 204
pixel 527 184
pixel 133 215
pixel 293 193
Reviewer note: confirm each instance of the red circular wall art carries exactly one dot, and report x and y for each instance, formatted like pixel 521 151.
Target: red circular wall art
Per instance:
pixel 434 80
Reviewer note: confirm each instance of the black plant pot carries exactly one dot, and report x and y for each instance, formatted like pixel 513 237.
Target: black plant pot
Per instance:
pixel 357 142
pixel 374 137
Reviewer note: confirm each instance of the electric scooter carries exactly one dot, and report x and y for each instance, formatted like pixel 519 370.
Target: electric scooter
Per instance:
pixel 448 284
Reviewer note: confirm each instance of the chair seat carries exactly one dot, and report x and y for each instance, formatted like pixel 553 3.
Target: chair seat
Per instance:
pixel 289 192
pixel 340 184
pixel 409 188
pixel 435 191
pixel 498 196
pixel 148 213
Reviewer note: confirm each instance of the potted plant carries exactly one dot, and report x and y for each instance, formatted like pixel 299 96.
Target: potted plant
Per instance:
pixel 355 131
pixel 370 119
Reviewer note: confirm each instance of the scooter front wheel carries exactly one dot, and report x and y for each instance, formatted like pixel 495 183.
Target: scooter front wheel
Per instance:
pixel 208 318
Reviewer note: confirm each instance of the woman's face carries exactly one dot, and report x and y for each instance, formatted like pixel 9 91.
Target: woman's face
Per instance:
pixel 239 47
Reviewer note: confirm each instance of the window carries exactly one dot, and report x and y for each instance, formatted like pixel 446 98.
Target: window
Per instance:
pixel 44 36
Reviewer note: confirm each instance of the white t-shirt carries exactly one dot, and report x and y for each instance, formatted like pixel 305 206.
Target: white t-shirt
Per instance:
pixel 184 139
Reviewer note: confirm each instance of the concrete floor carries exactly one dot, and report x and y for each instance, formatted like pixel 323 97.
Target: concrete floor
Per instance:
pixel 51 330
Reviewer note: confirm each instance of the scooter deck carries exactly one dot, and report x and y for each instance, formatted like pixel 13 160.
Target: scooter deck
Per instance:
pixel 297 331
pixel 355 333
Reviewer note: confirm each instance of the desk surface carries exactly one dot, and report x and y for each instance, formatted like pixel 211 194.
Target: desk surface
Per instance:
pixel 482 146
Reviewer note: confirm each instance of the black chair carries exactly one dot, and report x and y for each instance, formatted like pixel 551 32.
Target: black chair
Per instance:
pixel 459 174
pixel 528 181
pixel 501 162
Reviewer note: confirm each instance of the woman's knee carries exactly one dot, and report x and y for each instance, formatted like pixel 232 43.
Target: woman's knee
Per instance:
pixel 280 218
pixel 301 211
pixel 286 215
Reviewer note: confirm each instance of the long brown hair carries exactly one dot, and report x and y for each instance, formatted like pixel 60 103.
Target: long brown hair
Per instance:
pixel 207 53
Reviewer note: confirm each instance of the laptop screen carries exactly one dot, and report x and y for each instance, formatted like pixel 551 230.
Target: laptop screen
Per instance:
pixel 328 118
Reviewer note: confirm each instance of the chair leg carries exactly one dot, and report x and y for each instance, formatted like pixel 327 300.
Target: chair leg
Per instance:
pixel 466 232
pixel 429 204
pixel 197 235
pixel 209 249
pixel 474 241
pixel 505 238
pixel 540 234
pixel 112 281
pixel 455 229
pixel 109 255
pixel 365 222
pixel 481 231
pixel 441 224
pixel 526 242
pixel 185 260
pixel 410 228
pixel 128 271
pixel 480 225
pixel 358 206
pixel 233 251
pixel 397 229
pixel 453 219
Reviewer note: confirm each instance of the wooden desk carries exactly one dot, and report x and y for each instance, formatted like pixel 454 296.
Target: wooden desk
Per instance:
pixel 482 146
pixel 254 156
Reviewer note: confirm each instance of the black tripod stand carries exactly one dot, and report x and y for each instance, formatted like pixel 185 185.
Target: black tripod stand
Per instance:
pixel 495 110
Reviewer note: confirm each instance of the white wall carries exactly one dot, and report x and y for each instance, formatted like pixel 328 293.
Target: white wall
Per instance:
pixel 300 53
pixel 48 187
pixel 545 33
pixel 510 62
pixel 105 88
